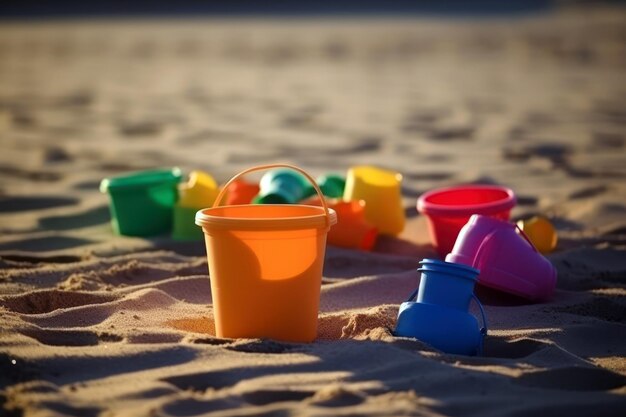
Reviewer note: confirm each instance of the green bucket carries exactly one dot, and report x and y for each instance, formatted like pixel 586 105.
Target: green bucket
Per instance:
pixel 142 202
pixel 184 228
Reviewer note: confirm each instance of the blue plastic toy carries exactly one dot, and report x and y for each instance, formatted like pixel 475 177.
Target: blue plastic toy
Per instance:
pixel 440 315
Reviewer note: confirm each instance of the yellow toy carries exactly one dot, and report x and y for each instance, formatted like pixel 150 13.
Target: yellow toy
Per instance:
pixel 381 191
pixel 540 232
pixel 197 193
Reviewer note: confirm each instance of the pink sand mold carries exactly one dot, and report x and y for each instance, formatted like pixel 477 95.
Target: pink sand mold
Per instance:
pixel 507 261
pixel 448 209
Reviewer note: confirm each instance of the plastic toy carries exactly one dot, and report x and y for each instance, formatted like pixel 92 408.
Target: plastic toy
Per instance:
pixel 241 192
pixel 507 260
pixel 281 186
pixel 142 203
pixel 197 193
pixel 381 191
pixel 352 230
pixel 540 232
pixel 332 185
pixel 265 263
pixel 449 209
pixel 440 315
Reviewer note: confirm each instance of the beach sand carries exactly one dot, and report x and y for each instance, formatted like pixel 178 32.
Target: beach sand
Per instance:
pixel 93 324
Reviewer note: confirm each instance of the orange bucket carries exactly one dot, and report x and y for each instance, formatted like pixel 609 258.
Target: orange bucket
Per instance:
pixel 265 264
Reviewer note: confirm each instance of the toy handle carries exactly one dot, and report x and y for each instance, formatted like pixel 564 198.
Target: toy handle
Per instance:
pixel 220 196
pixel 483 330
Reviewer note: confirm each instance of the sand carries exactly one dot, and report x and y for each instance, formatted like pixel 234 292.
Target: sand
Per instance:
pixel 97 325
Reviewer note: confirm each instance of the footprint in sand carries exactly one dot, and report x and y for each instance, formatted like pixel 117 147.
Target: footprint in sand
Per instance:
pixel 497 347
pixel 40 302
pixel 202 381
pixel 260 346
pixel 68 337
pixel 193 407
pixel 154 338
pixel 265 397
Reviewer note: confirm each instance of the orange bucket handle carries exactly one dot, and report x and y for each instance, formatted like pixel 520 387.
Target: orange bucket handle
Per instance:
pixel 220 196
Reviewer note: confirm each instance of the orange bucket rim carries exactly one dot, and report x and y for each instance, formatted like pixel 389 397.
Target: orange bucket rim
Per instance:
pixel 208 219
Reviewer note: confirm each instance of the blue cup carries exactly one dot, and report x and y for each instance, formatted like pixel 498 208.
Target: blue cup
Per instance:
pixel 440 316
pixel 446 284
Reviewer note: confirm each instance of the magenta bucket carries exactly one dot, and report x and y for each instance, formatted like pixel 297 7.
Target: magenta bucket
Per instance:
pixel 507 260
pixel 449 209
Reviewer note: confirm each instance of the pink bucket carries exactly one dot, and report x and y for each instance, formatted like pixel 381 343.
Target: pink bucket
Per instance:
pixel 507 261
pixel 448 209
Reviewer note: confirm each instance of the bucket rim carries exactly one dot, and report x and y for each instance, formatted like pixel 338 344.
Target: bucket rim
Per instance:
pixel 441 266
pixel 318 221
pixel 429 208
pixel 140 179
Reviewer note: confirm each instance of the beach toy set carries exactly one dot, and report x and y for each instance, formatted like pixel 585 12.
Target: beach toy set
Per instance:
pixel 367 201
pixel 156 202
pixel 469 226
pixel 266 245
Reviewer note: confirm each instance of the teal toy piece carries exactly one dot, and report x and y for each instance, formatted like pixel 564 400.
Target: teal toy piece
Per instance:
pixel 282 186
pixel 332 185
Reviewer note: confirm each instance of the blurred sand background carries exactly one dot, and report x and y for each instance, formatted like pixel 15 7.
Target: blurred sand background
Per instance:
pixel 97 325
